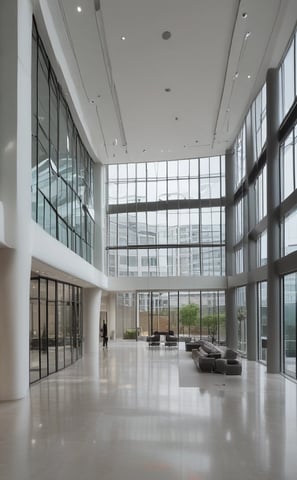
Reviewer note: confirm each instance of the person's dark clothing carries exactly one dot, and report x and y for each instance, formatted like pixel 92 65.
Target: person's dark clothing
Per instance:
pixel 105 336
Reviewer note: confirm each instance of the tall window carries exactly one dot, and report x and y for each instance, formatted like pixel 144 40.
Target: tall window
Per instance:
pixel 290 323
pixel 240 303
pixel 259 123
pixel 239 220
pixel 262 321
pixel 288 79
pixel 239 209
pixel 62 170
pixel 240 157
pixel 288 167
pixel 55 326
pixel 288 164
pixel 261 195
pixel 167 218
pixel 289 233
pixel 262 249
pixel 198 314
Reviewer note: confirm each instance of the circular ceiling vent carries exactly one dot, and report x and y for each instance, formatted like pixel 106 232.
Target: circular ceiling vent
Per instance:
pixel 166 35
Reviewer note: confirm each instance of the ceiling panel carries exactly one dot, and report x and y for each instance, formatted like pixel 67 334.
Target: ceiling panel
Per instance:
pixel 124 81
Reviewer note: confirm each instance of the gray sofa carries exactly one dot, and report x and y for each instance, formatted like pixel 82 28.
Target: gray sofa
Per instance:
pixel 216 358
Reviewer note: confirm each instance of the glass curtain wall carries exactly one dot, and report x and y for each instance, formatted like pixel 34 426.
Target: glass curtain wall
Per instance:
pixel 166 218
pixel 239 250
pixel 288 79
pixel 290 324
pixel 189 314
pixel 262 321
pixel 288 164
pixel 288 216
pixel 62 170
pixel 241 315
pixel 250 210
pixel 55 326
pixel 240 158
pixel 126 314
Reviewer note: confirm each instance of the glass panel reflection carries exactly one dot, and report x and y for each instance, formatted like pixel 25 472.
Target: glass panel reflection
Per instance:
pixel 241 314
pixel 62 170
pixel 164 221
pixel 55 326
pixel 290 324
pixel 34 332
pixel 262 313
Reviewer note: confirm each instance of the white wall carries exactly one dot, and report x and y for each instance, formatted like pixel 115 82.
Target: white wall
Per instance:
pixel 15 193
pixel 125 284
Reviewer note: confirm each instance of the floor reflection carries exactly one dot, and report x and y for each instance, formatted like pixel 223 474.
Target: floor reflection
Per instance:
pixel 137 413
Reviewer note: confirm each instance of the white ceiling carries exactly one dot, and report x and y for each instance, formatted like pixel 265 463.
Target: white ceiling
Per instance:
pixel 202 113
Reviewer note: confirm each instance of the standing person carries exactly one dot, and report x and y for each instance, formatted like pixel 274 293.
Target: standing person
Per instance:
pixel 105 336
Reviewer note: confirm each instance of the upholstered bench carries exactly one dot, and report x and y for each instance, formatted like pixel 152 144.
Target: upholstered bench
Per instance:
pixel 203 362
pixel 233 367
pixel 220 365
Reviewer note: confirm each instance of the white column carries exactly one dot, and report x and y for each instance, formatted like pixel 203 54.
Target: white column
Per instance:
pixel 111 318
pixel 92 303
pixel 15 193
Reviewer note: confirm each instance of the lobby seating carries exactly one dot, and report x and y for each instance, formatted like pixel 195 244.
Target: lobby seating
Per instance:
pixel 191 345
pixel 215 358
pixel 154 340
pixel 171 340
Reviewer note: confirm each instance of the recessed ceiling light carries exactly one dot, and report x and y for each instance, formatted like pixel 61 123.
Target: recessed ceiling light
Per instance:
pixel 247 35
pixel 176 118
pixel 144 150
pixel 167 89
pixel 123 37
pixel 92 101
pixel 235 75
pixel 79 9
pixel 244 15
pixel 196 141
pixel 166 35
pixel 249 76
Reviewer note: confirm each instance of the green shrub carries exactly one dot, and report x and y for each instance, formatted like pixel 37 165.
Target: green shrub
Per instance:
pixel 130 334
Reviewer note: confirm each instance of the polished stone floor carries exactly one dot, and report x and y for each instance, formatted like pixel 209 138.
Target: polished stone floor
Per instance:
pixel 143 414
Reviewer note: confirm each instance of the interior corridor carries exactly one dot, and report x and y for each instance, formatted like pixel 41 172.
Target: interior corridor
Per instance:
pixel 142 414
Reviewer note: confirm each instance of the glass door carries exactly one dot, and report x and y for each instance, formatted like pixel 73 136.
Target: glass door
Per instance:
pixel 159 312
pixel 262 318
pixel 34 333
pixel 290 323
